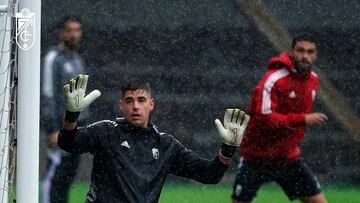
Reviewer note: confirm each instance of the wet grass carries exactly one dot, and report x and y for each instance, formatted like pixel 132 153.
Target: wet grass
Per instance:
pixel 192 193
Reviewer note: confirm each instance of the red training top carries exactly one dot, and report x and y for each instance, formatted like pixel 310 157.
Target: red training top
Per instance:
pixel 277 108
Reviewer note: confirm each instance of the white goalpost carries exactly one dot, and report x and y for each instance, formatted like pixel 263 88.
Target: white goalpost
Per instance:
pixel 19 100
pixel 5 64
pixel 27 173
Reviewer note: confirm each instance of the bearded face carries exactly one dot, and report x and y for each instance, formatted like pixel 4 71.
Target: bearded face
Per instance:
pixel 71 35
pixel 304 55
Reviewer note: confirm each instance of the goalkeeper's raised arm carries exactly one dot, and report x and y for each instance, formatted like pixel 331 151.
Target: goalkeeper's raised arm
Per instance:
pixel 76 100
pixel 131 156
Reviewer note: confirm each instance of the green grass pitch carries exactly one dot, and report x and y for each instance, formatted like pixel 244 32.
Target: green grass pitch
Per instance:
pixel 192 193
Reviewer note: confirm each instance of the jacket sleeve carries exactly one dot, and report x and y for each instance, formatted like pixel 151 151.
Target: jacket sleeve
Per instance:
pixel 189 164
pixel 264 109
pixel 84 139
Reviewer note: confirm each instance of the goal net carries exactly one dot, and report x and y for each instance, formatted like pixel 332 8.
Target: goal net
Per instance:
pixel 8 71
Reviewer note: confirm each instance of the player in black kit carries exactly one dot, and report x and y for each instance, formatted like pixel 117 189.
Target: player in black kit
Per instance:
pixel 131 156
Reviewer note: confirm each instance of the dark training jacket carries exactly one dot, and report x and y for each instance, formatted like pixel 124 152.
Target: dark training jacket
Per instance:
pixel 131 163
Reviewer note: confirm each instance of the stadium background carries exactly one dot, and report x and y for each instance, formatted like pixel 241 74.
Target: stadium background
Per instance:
pixel 202 57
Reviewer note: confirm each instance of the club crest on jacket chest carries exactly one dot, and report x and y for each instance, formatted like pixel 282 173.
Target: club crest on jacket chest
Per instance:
pixel 155 153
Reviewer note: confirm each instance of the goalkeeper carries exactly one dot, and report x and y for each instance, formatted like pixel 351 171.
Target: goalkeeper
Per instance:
pixel 131 156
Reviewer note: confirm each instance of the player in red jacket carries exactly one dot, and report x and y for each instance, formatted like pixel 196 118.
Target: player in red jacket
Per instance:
pixel 280 108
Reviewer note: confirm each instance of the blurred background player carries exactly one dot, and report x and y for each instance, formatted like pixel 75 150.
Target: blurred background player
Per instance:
pixel 280 109
pixel 61 63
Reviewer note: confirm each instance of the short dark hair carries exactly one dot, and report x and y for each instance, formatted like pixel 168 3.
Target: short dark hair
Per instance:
pixel 302 37
pixel 136 84
pixel 68 18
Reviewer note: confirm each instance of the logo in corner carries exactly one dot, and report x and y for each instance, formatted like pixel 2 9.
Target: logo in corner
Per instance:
pixel 25 29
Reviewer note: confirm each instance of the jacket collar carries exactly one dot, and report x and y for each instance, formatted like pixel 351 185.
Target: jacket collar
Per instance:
pixel 283 60
pixel 151 128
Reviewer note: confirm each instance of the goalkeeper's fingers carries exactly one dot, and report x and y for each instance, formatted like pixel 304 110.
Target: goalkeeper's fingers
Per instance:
pixel 79 80
pixel 91 97
pixel 245 121
pixel 228 116
pixel 234 116
pixel 84 81
pixel 67 89
pixel 220 127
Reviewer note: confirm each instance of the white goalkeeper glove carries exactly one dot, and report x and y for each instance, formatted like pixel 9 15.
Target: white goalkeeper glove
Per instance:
pixel 76 100
pixel 235 122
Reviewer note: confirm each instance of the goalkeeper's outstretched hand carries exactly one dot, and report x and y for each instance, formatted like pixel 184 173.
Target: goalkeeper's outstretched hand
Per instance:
pixel 235 123
pixel 76 100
